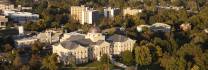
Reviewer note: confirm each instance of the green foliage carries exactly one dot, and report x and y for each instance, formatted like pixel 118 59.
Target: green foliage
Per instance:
pixel 50 62
pixel 127 58
pixel 143 56
pixel 105 59
pixel 176 50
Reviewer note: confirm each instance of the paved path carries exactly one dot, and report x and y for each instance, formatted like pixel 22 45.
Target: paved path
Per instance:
pixel 117 63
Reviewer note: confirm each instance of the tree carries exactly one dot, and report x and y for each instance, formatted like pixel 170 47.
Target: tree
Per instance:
pixel 172 62
pixel 55 24
pixel 105 59
pixel 35 62
pixel 127 57
pixel 50 62
pixel 37 46
pixel 7 47
pixel 143 56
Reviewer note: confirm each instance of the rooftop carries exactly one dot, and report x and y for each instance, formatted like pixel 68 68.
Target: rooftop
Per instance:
pixel 117 38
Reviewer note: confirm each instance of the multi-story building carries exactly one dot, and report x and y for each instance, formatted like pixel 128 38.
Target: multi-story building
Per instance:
pixel 129 11
pixel 84 14
pixel 24 41
pixel 111 12
pixel 22 17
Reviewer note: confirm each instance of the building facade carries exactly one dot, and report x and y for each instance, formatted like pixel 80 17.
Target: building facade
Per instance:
pixel 111 12
pixel 130 11
pixel 84 14
pixel 22 17
pixel 24 41
pixel 68 48
pixel 120 44
pixel 3 21
pixel 91 46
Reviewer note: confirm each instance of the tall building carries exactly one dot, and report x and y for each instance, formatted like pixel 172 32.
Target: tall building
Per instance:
pixel 84 14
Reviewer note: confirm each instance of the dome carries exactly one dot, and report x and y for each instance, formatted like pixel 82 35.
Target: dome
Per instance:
pixel 94 29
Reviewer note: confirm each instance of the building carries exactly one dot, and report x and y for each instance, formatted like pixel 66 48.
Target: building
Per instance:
pixel 24 41
pixel 91 46
pixel 7 12
pixel 129 11
pixel 121 43
pixel 23 17
pixel 85 47
pixel 49 36
pixel 170 7
pixel 68 48
pixel 6 7
pixel 140 28
pixel 185 27
pixel 72 36
pixel 206 30
pixel 84 14
pixel 111 12
pixel 95 34
pixel 160 27
pixel 3 21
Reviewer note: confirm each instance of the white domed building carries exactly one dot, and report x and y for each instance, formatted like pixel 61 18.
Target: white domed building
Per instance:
pixel 95 34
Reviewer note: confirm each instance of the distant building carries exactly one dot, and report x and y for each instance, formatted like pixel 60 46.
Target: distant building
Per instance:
pixel 7 12
pixel 185 27
pixel 49 36
pixel 3 21
pixel 170 7
pixel 22 17
pixel 84 14
pixel 121 43
pixel 160 27
pixel 129 11
pixel 111 12
pixel 6 7
pixel 206 30
pixel 24 41
pixel 140 28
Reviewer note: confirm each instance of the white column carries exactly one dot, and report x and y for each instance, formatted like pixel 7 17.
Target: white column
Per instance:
pixel 83 17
